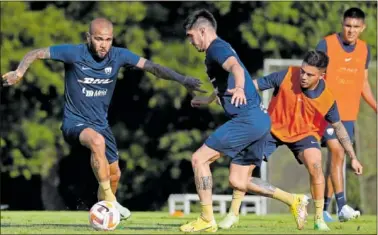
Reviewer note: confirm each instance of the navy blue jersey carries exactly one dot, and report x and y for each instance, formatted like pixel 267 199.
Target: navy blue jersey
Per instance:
pixel 89 84
pixel 274 80
pixel 217 53
pixel 322 46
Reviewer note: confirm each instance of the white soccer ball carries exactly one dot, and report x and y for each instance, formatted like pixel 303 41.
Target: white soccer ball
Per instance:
pixel 104 216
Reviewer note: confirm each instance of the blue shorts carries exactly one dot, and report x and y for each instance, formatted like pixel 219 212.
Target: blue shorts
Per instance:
pixel 71 131
pixel 240 137
pixel 297 147
pixel 329 133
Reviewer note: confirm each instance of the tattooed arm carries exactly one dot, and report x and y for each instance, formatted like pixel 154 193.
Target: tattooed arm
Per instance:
pixel 333 117
pixel 13 77
pixel 343 137
pixel 192 84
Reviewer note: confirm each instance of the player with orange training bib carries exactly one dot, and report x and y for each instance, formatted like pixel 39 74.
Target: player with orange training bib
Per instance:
pixel 300 108
pixel 347 78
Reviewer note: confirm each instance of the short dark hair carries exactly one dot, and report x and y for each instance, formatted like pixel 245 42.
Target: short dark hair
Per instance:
pixel 198 17
pixel 354 12
pixel 317 59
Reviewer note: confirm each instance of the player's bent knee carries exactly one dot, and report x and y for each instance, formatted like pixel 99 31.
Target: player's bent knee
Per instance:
pixel 194 160
pixel 97 143
pixel 92 139
pixel 197 160
pixel 237 184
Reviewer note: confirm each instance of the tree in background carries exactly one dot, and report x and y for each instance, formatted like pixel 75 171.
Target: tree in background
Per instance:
pixel 155 127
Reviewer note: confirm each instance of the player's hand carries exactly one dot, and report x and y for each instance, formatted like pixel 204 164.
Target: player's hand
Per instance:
pixel 192 85
pixel 357 167
pixel 238 96
pixel 198 101
pixel 11 78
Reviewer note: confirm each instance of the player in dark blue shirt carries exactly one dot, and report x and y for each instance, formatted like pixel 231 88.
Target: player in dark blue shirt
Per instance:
pixel 242 137
pixel 90 76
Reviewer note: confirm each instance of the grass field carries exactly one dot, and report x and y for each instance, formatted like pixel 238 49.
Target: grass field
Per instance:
pixel 44 222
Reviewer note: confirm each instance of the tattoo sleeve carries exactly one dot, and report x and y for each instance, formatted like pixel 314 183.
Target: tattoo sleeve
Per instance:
pixel 43 53
pixel 343 137
pixel 262 187
pixel 203 182
pixel 163 72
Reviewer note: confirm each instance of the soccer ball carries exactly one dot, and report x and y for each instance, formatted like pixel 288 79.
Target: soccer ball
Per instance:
pixel 104 216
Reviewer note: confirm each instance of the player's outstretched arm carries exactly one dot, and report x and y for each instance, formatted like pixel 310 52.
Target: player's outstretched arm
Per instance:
pixel 343 137
pixel 14 77
pixel 367 94
pixel 192 84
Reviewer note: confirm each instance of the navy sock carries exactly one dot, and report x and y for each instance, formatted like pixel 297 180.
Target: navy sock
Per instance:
pixel 340 200
pixel 327 201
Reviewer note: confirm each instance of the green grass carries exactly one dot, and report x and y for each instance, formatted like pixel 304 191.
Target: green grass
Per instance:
pixel 68 222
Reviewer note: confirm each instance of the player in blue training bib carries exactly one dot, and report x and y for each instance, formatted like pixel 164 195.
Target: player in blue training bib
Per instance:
pixel 91 71
pixel 242 138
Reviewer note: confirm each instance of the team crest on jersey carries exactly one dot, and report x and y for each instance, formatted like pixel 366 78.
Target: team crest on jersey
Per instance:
pixel 330 131
pixel 108 70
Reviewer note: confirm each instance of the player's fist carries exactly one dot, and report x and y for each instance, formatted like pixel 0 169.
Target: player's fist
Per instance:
pixel 357 167
pixel 238 96
pixel 11 78
pixel 193 84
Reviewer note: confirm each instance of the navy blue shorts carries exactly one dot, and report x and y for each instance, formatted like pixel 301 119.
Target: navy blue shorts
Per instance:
pixel 71 132
pixel 329 133
pixel 239 138
pixel 297 147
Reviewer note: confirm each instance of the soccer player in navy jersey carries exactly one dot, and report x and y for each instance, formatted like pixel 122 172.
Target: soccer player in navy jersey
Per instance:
pixel 91 71
pixel 242 138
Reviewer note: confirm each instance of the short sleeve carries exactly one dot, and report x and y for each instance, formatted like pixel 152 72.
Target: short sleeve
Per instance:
pixel 322 46
pixel 272 80
pixel 66 53
pixel 332 115
pixel 220 53
pixel 127 57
